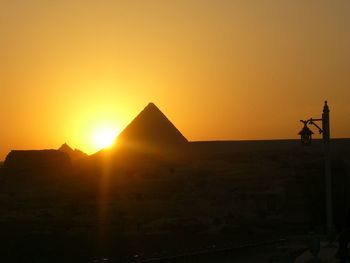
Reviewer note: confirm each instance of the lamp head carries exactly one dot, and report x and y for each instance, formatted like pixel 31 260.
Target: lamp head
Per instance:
pixel 305 135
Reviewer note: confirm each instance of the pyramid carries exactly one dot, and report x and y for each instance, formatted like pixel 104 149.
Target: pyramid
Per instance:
pixel 65 148
pixel 73 154
pixel 151 129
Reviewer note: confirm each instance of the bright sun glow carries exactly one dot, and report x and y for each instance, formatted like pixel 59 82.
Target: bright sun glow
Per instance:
pixel 104 137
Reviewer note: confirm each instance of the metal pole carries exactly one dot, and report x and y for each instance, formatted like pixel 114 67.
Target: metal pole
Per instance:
pixel 327 167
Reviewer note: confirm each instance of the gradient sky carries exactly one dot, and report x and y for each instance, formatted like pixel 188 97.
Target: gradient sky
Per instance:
pixel 220 69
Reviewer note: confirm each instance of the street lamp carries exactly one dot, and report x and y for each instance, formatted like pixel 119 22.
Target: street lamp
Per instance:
pixel 305 135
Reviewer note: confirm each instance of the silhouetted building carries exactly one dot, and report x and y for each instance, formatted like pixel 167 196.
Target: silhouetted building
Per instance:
pixel 36 161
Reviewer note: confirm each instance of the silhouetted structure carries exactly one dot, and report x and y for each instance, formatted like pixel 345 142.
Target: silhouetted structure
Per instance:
pixel 305 134
pixel 36 161
pixel 306 140
pixel 73 154
pixel 149 137
pixel 151 128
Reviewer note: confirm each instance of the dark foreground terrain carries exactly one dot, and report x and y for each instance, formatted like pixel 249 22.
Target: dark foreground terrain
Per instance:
pixel 224 195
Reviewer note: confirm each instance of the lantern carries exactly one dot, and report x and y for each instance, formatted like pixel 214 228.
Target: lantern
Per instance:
pixel 305 134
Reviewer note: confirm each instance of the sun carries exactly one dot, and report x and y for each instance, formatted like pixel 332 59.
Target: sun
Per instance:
pixel 104 137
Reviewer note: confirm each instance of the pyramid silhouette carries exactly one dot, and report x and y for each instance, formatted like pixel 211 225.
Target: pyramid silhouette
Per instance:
pixel 65 148
pixel 73 154
pixel 151 129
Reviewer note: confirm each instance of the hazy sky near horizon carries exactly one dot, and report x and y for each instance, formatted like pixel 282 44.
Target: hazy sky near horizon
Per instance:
pixel 219 70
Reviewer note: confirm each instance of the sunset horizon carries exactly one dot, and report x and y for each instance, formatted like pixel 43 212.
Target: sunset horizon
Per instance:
pixel 220 71
pixel 104 136
pixel 207 131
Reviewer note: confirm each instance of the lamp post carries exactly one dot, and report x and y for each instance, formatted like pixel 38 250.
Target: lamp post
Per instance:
pixel 305 135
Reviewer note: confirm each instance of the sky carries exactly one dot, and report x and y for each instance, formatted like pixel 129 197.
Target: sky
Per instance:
pixel 220 70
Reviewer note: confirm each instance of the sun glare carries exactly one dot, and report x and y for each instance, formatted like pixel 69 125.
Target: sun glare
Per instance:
pixel 104 137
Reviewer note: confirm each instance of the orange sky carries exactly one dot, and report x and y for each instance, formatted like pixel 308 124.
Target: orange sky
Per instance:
pixel 220 69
